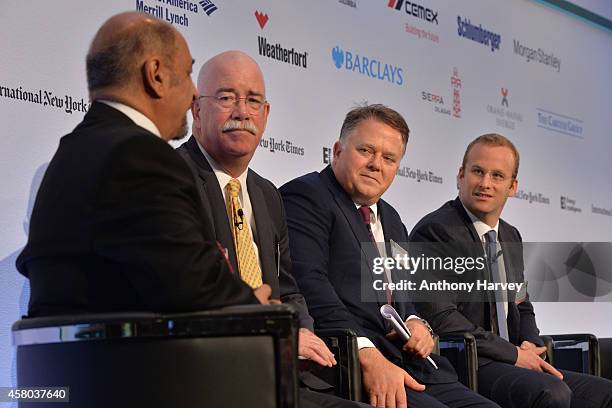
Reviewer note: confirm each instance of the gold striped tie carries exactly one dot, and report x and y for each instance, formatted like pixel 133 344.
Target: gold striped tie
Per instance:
pixel 248 265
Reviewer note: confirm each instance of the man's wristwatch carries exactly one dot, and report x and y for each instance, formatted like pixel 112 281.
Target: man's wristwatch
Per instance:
pixel 414 317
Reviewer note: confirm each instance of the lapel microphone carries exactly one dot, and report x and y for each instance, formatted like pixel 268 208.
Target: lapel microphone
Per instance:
pixel 239 223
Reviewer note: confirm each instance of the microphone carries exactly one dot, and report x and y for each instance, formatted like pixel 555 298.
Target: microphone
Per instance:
pixel 239 223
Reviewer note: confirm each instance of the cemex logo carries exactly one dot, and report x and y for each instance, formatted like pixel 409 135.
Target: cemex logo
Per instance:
pixel 208 6
pixel 262 18
pixel 416 10
pixel 371 67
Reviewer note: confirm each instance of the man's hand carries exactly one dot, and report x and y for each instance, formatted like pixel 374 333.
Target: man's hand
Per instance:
pixel 313 348
pixel 421 343
pixel 529 357
pixel 384 381
pixel 263 294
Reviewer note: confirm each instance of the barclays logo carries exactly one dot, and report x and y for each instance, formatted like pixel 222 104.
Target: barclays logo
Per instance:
pixel 370 67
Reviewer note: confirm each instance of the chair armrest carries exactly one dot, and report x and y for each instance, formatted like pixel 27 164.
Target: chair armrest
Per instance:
pixel 577 352
pixel 461 350
pixel 346 375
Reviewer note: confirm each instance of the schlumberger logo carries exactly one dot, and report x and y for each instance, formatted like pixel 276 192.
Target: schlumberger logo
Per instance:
pixel 466 29
pixel 370 67
pixel 415 10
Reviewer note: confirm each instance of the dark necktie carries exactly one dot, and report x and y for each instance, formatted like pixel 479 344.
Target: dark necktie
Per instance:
pixel 498 315
pixel 366 216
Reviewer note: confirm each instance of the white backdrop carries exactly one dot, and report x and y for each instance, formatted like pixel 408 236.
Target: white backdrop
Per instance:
pixel 559 117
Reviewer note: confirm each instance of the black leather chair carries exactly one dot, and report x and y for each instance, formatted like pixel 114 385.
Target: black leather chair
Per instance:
pixel 243 356
pixel 575 352
pixel 605 356
pixel 346 375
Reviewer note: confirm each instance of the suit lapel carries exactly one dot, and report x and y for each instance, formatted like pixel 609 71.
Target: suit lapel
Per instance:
pixel 212 201
pixel 265 239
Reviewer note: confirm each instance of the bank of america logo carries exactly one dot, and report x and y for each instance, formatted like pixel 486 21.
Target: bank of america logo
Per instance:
pixel 338 57
pixel 208 6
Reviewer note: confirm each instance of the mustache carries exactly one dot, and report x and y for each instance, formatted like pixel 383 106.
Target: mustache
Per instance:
pixel 232 124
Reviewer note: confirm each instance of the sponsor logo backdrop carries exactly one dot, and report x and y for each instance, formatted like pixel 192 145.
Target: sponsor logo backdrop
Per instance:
pixel 453 69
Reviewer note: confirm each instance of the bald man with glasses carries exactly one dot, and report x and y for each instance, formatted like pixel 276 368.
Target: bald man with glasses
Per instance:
pixel 247 213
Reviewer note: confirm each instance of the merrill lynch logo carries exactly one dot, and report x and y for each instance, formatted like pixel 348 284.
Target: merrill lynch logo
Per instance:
pixel 370 67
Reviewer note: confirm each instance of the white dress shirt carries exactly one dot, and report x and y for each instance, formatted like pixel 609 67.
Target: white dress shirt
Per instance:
pixel 138 118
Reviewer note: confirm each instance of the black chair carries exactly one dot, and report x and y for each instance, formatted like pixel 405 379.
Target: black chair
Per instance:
pixel 574 352
pixel 346 375
pixel 605 356
pixel 233 357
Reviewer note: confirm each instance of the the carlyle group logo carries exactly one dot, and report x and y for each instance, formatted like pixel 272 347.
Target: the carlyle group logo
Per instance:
pixel 538 55
pixel 569 204
pixel 175 11
pixel 504 116
pixel 366 65
pixel 278 51
pixel 560 123
pixel 419 175
pixel 46 98
pixel 456 85
pixel 262 18
pixel 532 197
pixel 283 146
pixel 466 29
pixel 415 10
pixel 596 209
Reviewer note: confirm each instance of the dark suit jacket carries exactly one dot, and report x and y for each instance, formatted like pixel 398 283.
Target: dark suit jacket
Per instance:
pixel 117 226
pixel 451 223
pixel 271 237
pixel 326 231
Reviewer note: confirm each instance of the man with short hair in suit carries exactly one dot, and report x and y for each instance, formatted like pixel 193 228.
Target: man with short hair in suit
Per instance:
pixel 511 371
pixel 245 210
pixel 117 223
pixel 329 215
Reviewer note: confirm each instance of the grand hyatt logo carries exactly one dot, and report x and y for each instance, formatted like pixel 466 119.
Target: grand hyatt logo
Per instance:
pixel 415 10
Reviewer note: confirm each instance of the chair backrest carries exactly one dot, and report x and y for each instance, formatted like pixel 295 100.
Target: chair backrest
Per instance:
pixel 576 352
pixel 238 356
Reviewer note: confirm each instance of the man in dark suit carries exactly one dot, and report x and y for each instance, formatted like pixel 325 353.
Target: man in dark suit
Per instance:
pixel 511 371
pixel 230 116
pixel 117 223
pixel 329 215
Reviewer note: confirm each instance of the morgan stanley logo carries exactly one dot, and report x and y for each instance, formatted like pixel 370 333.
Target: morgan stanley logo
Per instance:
pixel 208 6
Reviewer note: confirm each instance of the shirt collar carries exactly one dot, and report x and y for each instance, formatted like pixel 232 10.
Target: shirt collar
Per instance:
pixel 137 117
pixel 481 227
pixel 374 208
pixel 222 176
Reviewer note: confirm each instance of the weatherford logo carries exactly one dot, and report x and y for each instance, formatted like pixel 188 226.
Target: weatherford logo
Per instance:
pixel 539 55
pixel 478 34
pixel 262 18
pixel 284 146
pixel 370 67
pixel 505 117
pixel 531 197
pixel 67 103
pixel 456 85
pixel 601 211
pixel 569 204
pixel 166 10
pixel 437 101
pixel 416 10
pixel 419 175
pixel 560 123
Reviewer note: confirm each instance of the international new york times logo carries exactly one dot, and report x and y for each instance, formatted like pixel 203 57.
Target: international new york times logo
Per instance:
pixel 367 66
pixel 466 29
pixel 415 10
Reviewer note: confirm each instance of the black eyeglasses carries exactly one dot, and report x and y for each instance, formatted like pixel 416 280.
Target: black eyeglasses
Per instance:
pixel 227 102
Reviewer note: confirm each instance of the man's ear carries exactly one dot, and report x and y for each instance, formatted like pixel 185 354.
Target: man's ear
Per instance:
pixel 337 149
pixel 460 175
pixel 154 78
pixel 195 112
pixel 513 188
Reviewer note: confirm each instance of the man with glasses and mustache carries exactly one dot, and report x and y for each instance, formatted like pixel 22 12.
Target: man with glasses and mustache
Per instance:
pixel 246 210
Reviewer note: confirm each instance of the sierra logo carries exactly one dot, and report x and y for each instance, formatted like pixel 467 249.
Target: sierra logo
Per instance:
pixel 262 18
